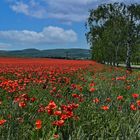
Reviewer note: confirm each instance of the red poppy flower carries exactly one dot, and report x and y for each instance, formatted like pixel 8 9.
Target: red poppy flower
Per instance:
pixel 120 98
pixel 50 111
pixel 105 107
pixel 108 100
pixel 128 87
pixel 57 113
pixel 2 122
pixel 135 95
pixel 133 107
pixel 121 78
pixel 38 124
pixel 96 100
pixel 92 89
pixel 58 123
pixel 33 99
pixel 92 84
pixel 138 102
pixel 75 95
pixel 22 104
pixel 51 105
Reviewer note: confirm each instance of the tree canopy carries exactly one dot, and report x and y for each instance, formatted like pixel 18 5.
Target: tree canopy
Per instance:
pixel 113 32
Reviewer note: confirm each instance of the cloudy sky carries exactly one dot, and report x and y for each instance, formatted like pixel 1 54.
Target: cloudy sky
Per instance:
pixel 45 24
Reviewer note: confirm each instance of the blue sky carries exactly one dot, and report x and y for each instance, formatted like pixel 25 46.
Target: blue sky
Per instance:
pixel 45 24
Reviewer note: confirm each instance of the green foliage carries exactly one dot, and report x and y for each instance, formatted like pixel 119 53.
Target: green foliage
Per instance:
pixel 114 33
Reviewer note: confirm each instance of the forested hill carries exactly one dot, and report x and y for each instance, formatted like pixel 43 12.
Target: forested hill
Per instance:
pixel 52 53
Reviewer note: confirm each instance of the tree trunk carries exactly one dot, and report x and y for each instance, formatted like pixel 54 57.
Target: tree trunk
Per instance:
pixel 116 55
pixel 128 58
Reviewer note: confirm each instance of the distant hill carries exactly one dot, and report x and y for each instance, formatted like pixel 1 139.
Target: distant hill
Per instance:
pixel 52 53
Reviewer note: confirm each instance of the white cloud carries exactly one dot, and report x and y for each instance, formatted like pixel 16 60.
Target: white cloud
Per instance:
pixel 64 10
pixel 32 9
pixel 4 45
pixel 21 8
pixel 49 35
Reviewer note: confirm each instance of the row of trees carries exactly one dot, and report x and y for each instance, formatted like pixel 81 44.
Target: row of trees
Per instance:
pixel 114 33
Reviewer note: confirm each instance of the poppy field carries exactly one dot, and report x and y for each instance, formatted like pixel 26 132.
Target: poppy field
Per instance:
pixel 48 99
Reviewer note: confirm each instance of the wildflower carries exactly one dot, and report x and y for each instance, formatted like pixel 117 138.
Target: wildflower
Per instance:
pixel 96 100
pixel 120 98
pixel 121 78
pixel 108 100
pixel 133 107
pixel 58 123
pixel 80 88
pixel 67 115
pixel 74 105
pixel 25 97
pixel 17 99
pixel 73 86
pixel 81 99
pixel 92 84
pixel 54 89
pixel 50 111
pixel 105 107
pixel 64 116
pixel 128 87
pixel 134 95
pixel 75 95
pixel 113 79
pixel 57 113
pixel 138 103
pixel 32 99
pixel 22 104
pixel 2 122
pixel 38 124
pixel 51 105
pixel 41 109
pixel 92 89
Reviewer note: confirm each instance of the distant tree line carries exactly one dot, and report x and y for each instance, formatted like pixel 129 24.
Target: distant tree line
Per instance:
pixel 113 32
